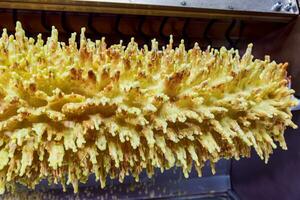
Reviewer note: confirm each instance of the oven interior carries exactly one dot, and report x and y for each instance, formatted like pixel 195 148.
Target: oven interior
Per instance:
pixel 233 24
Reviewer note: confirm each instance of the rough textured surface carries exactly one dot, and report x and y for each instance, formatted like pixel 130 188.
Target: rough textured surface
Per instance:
pixel 67 112
pixel 251 179
pixel 279 179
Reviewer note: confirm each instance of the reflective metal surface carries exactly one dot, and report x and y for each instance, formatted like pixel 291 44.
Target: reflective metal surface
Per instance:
pixel 171 184
pixel 274 10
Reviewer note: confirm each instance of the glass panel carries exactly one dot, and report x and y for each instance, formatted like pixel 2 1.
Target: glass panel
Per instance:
pixel 169 184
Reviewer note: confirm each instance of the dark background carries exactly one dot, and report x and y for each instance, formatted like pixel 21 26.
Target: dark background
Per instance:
pixel 252 179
